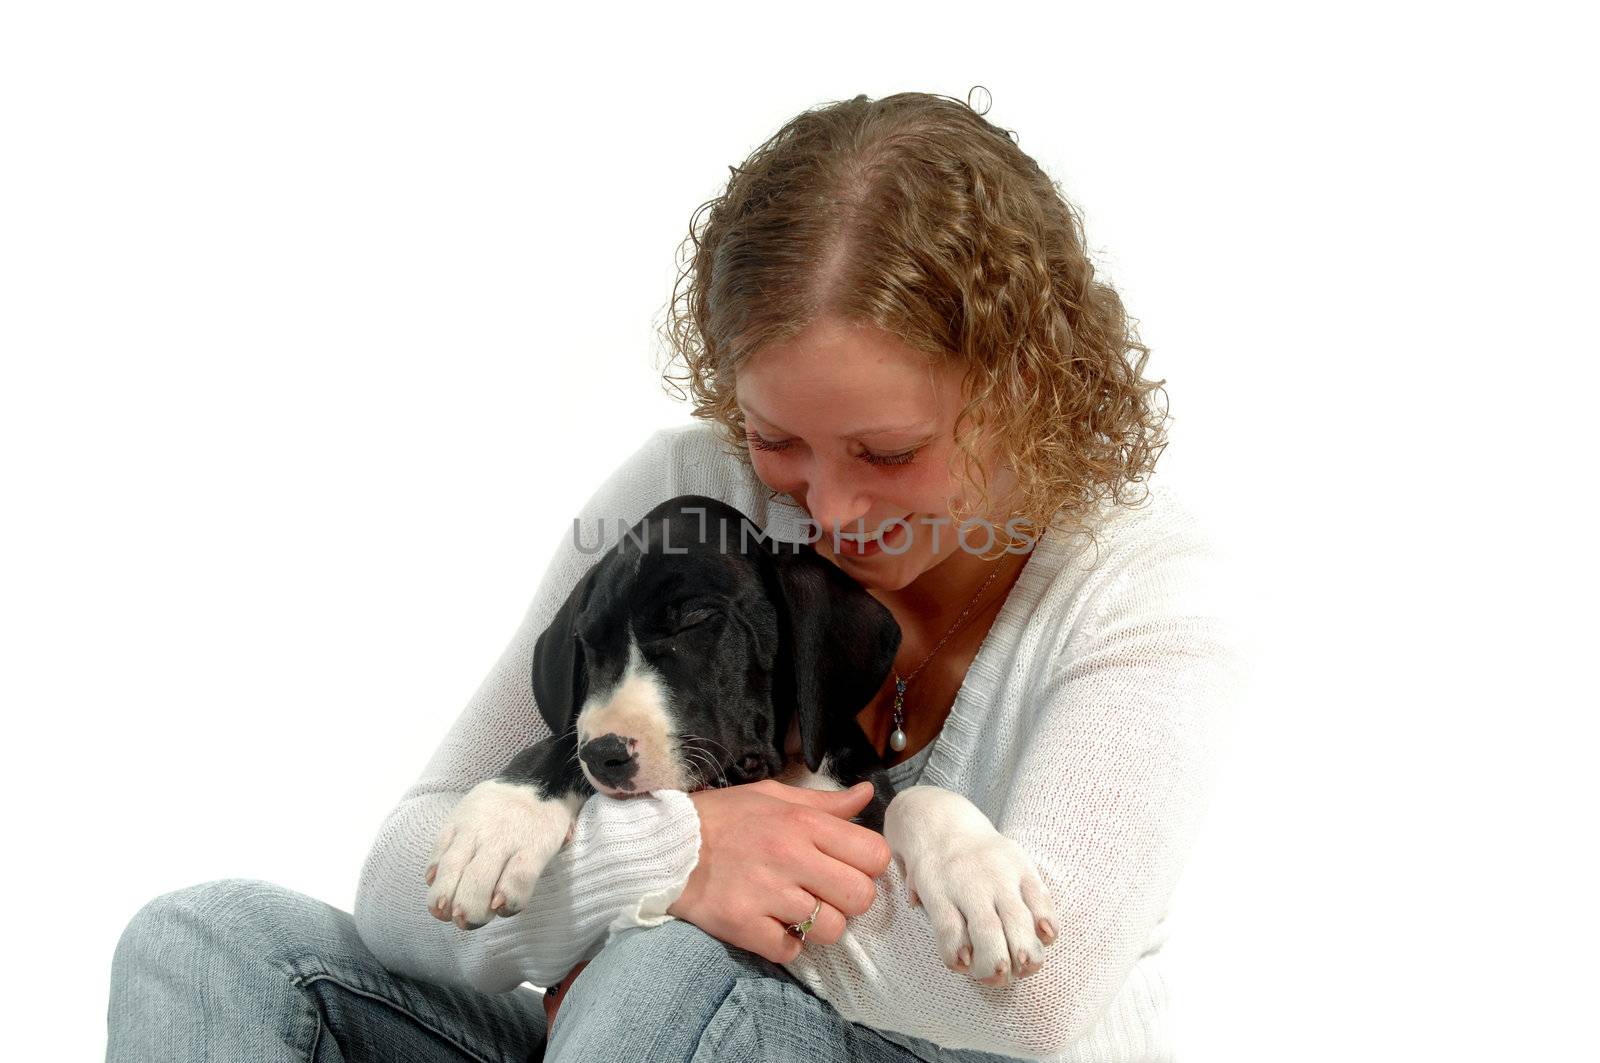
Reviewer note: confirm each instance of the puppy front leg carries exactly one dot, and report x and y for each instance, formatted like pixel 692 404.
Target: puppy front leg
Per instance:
pixel 989 909
pixel 503 832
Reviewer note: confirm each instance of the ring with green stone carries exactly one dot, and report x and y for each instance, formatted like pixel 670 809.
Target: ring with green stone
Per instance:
pixel 799 929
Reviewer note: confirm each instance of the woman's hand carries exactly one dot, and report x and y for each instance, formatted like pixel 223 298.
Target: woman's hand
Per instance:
pixel 768 853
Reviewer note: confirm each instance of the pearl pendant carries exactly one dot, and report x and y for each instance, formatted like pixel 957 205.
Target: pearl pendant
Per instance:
pixel 897 737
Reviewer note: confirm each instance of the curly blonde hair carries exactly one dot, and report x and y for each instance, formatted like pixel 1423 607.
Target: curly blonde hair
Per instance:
pixel 916 215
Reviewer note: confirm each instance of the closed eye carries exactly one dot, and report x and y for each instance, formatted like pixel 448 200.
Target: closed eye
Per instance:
pixel 675 625
pixel 880 460
pixel 695 618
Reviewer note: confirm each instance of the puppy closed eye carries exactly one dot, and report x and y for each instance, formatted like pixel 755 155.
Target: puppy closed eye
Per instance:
pixel 676 625
pixel 694 618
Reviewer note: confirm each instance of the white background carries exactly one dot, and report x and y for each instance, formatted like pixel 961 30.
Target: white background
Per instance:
pixel 320 320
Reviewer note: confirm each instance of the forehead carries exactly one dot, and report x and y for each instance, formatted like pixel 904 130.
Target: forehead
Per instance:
pixel 665 573
pixel 846 380
pixel 704 572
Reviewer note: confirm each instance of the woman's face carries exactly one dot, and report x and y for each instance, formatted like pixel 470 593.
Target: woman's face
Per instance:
pixel 858 430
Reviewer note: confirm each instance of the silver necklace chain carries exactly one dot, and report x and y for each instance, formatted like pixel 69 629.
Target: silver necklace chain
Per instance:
pixel 897 737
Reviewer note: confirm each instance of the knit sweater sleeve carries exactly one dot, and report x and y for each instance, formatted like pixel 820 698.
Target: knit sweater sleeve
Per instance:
pixel 627 860
pixel 1106 795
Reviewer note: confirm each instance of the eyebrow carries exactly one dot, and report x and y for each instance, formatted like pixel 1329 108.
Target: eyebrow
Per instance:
pixel 880 430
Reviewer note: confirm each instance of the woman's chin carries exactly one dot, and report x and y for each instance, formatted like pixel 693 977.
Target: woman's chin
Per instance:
pixel 880 572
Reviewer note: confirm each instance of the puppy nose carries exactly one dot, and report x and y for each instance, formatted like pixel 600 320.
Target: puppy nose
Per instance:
pixel 610 761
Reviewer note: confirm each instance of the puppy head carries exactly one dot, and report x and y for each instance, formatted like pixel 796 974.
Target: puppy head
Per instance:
pixel 681 657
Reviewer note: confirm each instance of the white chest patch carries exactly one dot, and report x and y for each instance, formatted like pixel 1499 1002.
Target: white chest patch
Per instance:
pixel 795 773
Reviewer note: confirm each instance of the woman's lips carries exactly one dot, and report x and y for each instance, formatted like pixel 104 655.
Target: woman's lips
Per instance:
pixel 856 548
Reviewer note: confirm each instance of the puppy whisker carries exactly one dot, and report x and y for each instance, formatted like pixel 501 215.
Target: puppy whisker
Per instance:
pixel 702 761
pixel 712 770
pixel 709 741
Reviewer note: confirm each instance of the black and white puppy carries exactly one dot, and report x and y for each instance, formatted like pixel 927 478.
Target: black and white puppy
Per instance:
pixel 699 652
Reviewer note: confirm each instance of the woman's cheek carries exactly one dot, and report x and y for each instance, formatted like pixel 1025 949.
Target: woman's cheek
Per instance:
pixel 769 470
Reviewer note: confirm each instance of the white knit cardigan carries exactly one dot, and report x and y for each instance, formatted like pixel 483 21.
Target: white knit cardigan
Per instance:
pixel 1087 729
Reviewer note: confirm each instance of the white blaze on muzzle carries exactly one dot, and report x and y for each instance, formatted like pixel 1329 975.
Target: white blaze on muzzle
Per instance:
pixel 625 735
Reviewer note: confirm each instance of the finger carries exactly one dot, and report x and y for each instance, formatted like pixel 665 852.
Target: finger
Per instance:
pixel 842 803
pixel 861 848
pixel 774 942
pixel 835 883
pixel 828 925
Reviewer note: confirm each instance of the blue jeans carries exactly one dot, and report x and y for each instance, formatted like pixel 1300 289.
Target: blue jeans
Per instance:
pixel 242 970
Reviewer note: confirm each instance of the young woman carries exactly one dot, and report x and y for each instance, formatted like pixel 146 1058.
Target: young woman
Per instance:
pixel 890 330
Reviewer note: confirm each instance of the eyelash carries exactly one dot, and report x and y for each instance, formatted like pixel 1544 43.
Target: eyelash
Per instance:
pixel 872 459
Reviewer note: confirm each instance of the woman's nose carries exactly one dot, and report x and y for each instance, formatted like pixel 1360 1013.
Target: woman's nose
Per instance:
pixel 837 505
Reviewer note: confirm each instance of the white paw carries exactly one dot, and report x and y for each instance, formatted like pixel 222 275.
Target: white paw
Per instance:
pixel 988 907
pixel 492 850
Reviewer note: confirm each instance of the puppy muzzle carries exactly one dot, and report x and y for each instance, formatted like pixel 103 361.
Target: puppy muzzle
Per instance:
pixel 610 762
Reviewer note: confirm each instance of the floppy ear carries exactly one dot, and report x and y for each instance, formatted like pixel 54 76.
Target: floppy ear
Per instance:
pixel 560 682
pixel 837 645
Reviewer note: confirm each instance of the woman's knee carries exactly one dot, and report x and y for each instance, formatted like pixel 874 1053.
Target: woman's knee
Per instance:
pixel 227 921
pixel 246 969
pixel 650 990
pixel 208 966
pixel 679 952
